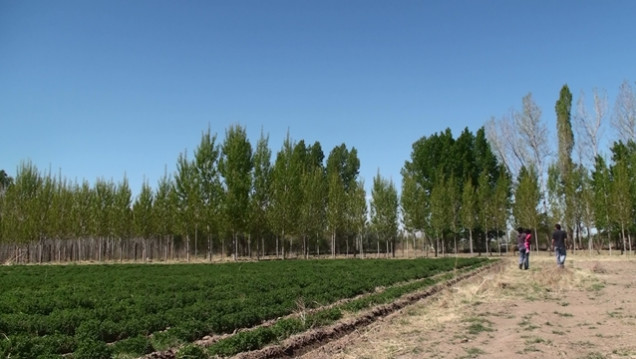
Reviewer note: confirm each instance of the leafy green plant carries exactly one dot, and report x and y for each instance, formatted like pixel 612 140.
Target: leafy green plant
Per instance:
pixel 83 306
pixel 93 349
pixel 191 351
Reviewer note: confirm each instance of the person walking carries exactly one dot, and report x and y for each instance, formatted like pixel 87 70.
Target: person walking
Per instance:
pixel 559 237
pixel 524 248
pixel 527 242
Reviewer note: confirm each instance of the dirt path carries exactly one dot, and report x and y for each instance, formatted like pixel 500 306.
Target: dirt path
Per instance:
pixel 586 311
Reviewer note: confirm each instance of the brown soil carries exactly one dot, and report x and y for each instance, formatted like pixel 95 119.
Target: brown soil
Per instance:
pixel 586 311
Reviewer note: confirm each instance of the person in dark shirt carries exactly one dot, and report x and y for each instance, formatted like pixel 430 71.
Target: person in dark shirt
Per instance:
pixel 559 237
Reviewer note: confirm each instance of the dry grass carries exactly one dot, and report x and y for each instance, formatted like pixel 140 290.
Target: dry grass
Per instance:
pixel 505 283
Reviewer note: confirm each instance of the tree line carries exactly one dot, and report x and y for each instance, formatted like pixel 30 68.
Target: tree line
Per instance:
pixel 577 184
pixel 232 199
pixel 475 189
pixel 229 199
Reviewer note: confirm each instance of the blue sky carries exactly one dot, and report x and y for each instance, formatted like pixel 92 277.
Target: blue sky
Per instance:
pixel 103 89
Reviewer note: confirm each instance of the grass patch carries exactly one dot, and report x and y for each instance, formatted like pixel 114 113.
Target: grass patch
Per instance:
pixel 564 315
pixel 624 352
pixel 537 340
pixel 526 324
pixel 478 325
pixel 594 355
pixel 472 353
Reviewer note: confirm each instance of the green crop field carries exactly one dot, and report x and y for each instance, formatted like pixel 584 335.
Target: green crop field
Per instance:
pixel 124 311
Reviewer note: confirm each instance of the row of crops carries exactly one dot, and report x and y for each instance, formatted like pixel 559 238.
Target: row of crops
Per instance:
pixel 125 311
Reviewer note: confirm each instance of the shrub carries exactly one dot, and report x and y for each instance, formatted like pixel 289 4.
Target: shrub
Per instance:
pixel 93 349
pixel 136 346
pixel 191 351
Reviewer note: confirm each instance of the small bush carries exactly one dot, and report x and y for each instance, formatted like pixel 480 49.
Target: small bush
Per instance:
pixel 191 351
pixel 243 341
pixel 93 349
pixel 136 346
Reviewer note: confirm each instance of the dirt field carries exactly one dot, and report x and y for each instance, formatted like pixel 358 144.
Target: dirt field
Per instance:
pixel 586 311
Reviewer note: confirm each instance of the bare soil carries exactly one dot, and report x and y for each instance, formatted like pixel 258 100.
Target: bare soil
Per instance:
pixel 586 310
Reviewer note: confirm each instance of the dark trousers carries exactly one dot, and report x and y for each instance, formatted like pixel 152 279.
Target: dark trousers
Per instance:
pixel 524 258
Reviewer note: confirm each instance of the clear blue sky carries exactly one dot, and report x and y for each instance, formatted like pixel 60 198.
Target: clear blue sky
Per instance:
pixel 103 89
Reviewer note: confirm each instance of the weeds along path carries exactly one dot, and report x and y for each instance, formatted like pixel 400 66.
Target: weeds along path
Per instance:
pixel 585 311
pixel 301 343
pixel 306 342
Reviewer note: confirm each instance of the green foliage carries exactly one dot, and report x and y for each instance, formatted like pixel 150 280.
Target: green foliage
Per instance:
pixel 136 346
pixel 191 351
pixel 66 309
pixel 384 209
pixel 437 172
pixel 92 349
pixel 236 166
pixel 527 197
pixel 285 190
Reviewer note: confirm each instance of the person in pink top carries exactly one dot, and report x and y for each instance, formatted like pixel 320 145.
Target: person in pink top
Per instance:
pixel 523 244
pixel 527 245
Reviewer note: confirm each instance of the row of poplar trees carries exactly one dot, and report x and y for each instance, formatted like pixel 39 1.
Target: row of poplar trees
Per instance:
pixel 590 192
pixel 467 193
pixel 458 194
pixel 228 200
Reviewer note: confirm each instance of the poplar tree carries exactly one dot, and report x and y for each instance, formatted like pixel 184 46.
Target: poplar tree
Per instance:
pixel 285 186
pixel 336 203
pixel 188 191
pixel 601 182
pixel 312 216
pixel 206 167
pixel 468 211
pixel 527 198
pixel 84 217
pixel 501 204
pixel 624 120
pixel 236 168
pixel 142 218
pixel 439 215
pixel 163 213
pixel 342 169
pixel 566 144
pixel 486 214
pixel 358 212
pixel 384 211
pixel 261 190
pixel 621 205
pixel 412 205
pixel 122 216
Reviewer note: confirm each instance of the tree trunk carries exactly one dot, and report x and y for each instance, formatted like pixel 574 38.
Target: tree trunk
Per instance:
pixel 210 248
pixel 361 247
pixel 333 244
pixel 623 235
pixel 455 240
pixel 187 248
pixel 235 246
pixel 486 241
pixel 249 245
